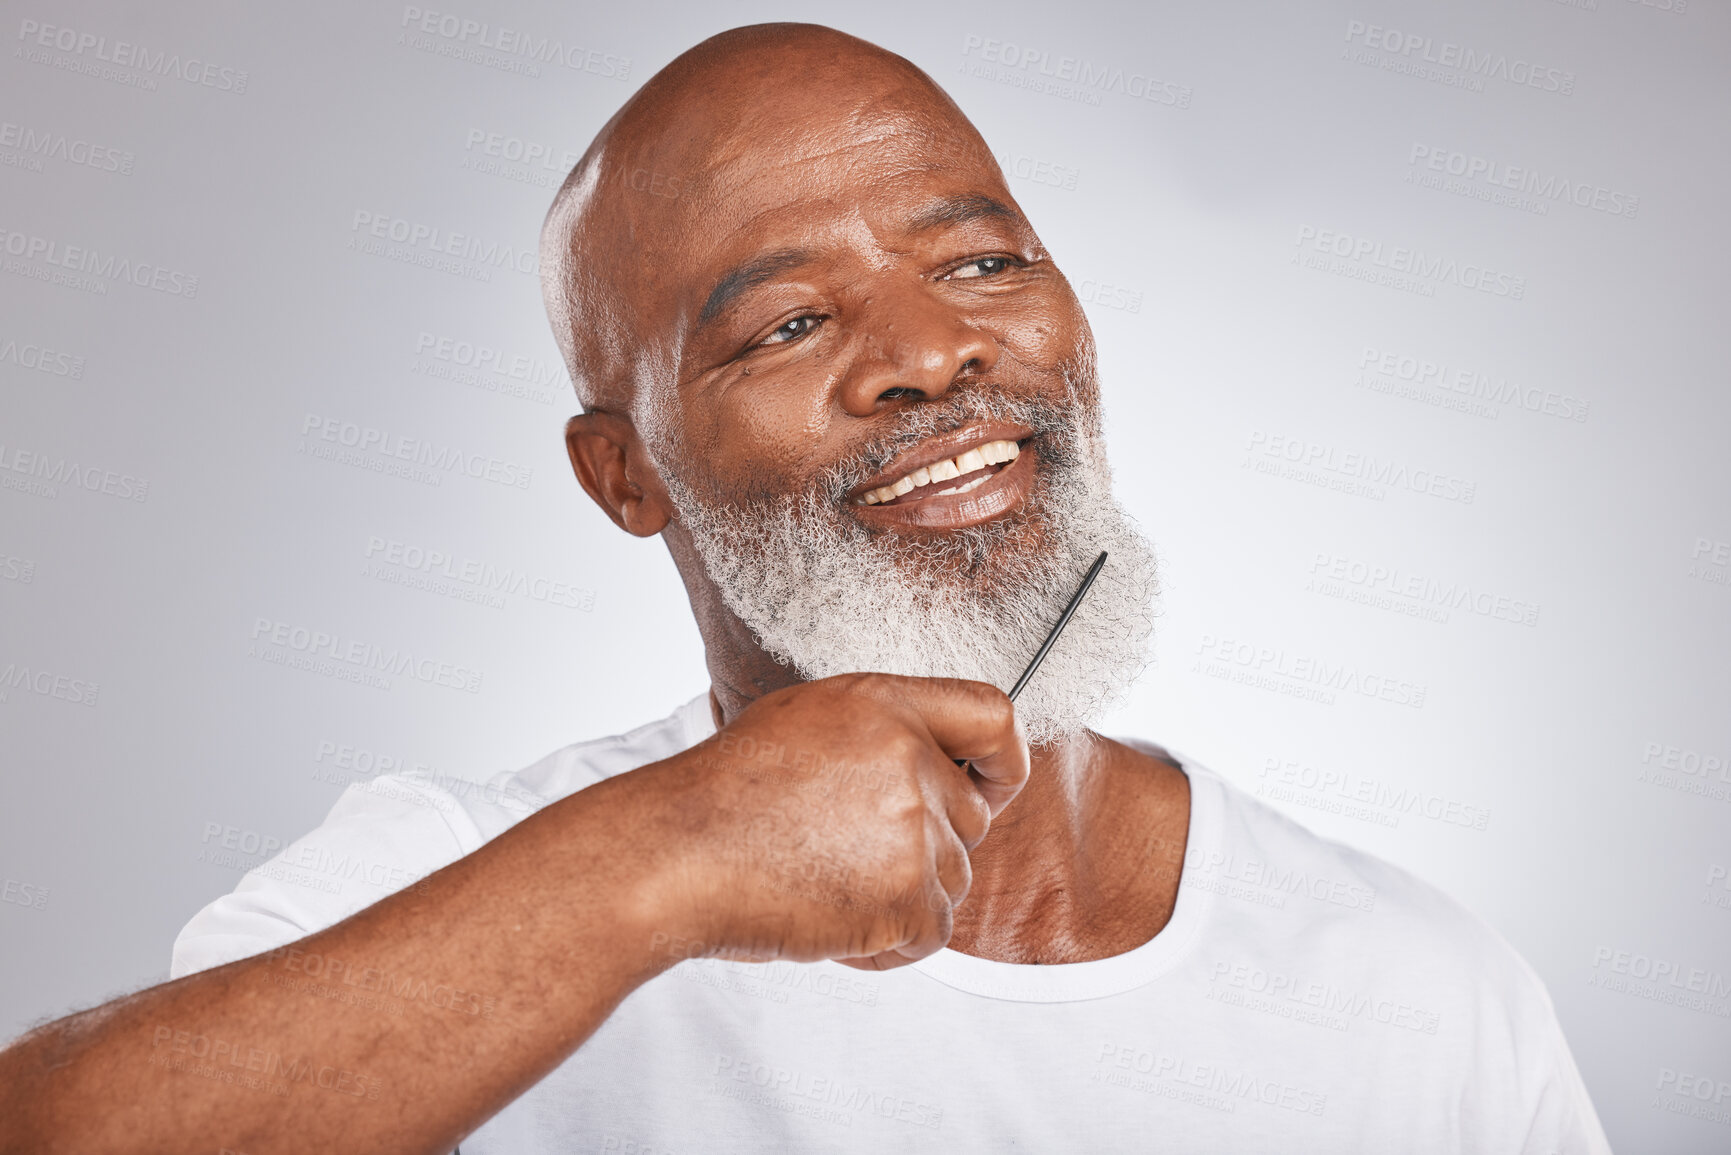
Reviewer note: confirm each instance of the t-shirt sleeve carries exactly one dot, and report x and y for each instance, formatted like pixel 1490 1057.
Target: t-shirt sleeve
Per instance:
pixel 1526 1080
pixel 1563 1119
pixel 380 837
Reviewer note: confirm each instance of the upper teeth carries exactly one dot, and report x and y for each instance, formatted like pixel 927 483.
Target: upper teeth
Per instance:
pixel 990 453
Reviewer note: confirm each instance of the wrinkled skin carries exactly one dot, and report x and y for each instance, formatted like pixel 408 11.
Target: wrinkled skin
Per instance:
pixel 878 261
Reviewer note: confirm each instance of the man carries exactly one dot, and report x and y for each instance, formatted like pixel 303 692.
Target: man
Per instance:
pixel 821 909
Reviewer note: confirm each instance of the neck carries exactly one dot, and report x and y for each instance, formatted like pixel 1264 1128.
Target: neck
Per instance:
pixel 740 672
pixel 1084 864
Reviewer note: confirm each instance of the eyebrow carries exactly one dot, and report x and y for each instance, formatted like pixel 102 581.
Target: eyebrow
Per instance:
pixel 748 276
pixel 943 213
pixel 960 210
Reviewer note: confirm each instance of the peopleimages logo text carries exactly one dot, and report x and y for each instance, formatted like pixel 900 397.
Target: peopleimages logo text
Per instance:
pixel 444 242
pixel 1413 262
pixel 518 366
pixel 83 259
pixel 447 458
pixel 47 683
pixel 1088 77
pixel 1448 54
pixel 48 472
pixel 1359 467
pixel 71 150
pixel 515 42
pixel 365 655
pixel 1542 185
pixel 124 54
pixel 41 359
pixel 1308 670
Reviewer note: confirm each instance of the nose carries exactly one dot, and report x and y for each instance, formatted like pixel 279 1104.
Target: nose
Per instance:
pixel 913 344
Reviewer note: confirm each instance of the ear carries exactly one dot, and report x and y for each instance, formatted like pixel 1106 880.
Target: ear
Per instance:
pixel 615 470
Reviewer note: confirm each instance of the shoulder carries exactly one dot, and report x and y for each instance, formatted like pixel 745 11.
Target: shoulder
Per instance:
pixel 388 833
pixel 570 769
pixel 1308 920
pixel 1365 914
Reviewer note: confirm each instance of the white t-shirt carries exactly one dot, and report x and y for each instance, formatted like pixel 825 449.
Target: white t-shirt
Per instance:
pixel 1304 997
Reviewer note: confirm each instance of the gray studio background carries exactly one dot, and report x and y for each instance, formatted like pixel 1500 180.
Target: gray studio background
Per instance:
pixel 1412 320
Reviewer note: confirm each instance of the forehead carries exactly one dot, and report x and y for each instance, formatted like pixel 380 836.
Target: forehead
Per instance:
pixel 794 123
pixel 780 176
pixel 786 144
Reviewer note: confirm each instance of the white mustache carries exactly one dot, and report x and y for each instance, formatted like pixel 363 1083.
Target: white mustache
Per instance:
pixel 1056 424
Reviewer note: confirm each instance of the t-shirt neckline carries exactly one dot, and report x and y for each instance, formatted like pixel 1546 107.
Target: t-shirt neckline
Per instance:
pixel 1072 982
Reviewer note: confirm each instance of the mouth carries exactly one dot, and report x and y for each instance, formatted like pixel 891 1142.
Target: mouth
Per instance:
pixel 959 479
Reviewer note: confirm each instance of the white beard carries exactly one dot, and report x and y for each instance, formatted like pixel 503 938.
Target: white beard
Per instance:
pixel 827 596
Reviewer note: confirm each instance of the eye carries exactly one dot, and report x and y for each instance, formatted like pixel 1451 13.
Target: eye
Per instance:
pixel 793 330
pixel 983 267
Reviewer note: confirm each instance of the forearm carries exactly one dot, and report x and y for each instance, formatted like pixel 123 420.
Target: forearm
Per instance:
pixel 401 1028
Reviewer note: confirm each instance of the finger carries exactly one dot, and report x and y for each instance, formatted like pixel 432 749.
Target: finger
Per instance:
pixel 965 807
pixel 928 926
pixel 955 874
pixel 970 721
pixel 887 960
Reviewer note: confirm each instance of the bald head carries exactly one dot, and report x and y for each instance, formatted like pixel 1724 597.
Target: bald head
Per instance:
pixel 695 150
pixel 824 355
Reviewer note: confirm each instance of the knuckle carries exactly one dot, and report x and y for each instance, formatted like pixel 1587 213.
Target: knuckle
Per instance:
pixel 910 814
pixel 943 919
pixel 978 818
pixel 905 748
pixel 909 876
pixel 987 702
pixel 869 683
pixel 964 881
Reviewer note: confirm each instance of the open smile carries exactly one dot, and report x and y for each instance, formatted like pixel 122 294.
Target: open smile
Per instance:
pixel 960 479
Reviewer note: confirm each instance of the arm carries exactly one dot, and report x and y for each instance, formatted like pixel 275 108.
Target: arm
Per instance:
pixel 552 922
pixel 555 921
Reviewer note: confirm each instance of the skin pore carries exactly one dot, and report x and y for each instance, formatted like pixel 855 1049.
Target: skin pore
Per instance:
pixel 839 249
